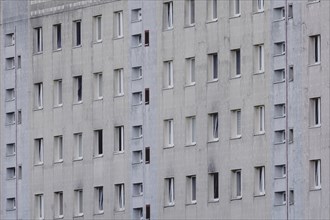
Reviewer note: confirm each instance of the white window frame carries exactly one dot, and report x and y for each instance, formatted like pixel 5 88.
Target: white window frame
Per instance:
pixel 57 37
pixel 77 33
pixel 237 184
pixel 212 10
pixel 168 15
pixel 315 49
pixel 236 8
pixel 214 126
pixel 213 67
pixel 98 90
pixel 58 93
pixel 260 181
pixel 169 133
pixel 191 130
pixel 39 151
pixel 39 206
pixel 191 189
pixel 120 192
pixel 316 174
pixel 97 28
pixel 315 112
pixel 260 58
pixel 99 200
pixel 119 139
pixel 78 89
pixel 190 71
pixel 168 74
pixel 59 205
pixel 190 11
pixel 260 119
pixel 79 202
pixel 136 15
pixel 213 186
pixel 236 123
pixel 98 143
pixel 169 191
pixel 260 4
pixel 78 146
pixel 38 88
pixel 38 40
pixel 119 24
pixel 119 82
pixel 58 148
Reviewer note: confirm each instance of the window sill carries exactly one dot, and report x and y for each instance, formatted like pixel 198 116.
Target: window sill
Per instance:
pixel 169 205
pixel 37 53
pixel 118 152
pixel 169 29
pixel 97 41
pixel 78 103
pixel 58 106
pixel 10 68
pixel 315 189
pixel 314 64
pixel 278 55
pixel 259 12
pixel 284 203
pixel 235 16
pixel 10 210
pixel 168 88
pixel 277 117
pixel 260 133
pixel 315 126
pixel 137 163
pixel 235 77
pixel 212 20
pixel 120 210
pixel 212 81
pixel 98 156
pixel 311 3
pixel 279 82
pixel 99 213
pixel 190 85
pixel 136 138
pixel 98 99
pixel 189 26
pixel 78 215
pixel 77 46
pixel 137 104
pixel 278 20
pixel 119 95
pixel 136 46
pixel 77 159
pixel 10 155
pixel 137 79
pixel 58 161
pixel 136 196
pixel 213 141
pixel 11 178
pixel 38 109
pixel 260 195
pixel 59 217
pixel 9 124
pixel 118 38
pixel 57 50
pixel 214 201
pixel 237 198
pixel 191 144
pixel 136 21
pixel 259 72
pixel 236 138
pixel 10 100
pixel 169 147
pixel 279 143
pixel 38 164
pixel 192 203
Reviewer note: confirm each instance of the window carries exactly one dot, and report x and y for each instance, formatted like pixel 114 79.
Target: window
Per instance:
pixel 19 62
pixel 260 58
pixel 19 172
pixel 213 66
pixel 280 198
pixel 137 73
pixel 191 189
pixel 39 151
pixel 279 48
pixel 137 189
pixel 10 63
pixel 10 39
pixel 168 15
pixel 212 10
pixel 138 213
pixel 236 184
pixel 146 38
pixel 58 93
pixel 236 62
pixel 213 127
pixel 146 96
pixel 136 40
pixel 77 80
pixel 120 194
pixel 10 118
pixel 11 204
pixel 168 74
pixel 97 28
pixel 119 139
pixel 19 116
pixel 279 110
pixel 57 37
pixel 213 183
pixel 279 13
pixel 191 130
pixel 77 33
pixel 279 75
pixel 259 5
pixel 148 211
pixel 58 204
pixel 259 181
pixel 236 123
pixel 313 1
pixel 190 71
pixel 37 40
pixel 98 143
pixel 10 149
pixel 235 8
pixel 279 137
pixel 78 146
pixel 315 174
pixel 11 173
pixel 137 15
pixel 119 82
pixel 315 49
pixel 58 148
pixel 290 10
pixel 169 192
pixel 315 112
pixel 291 137
pixel 291 196
pixel 39 206
pixel 78 205
pixel 137 132
pixel 118 25
pixel 280 171
pixel 98 89
pixel 137 98
pixel 137 157
pixel 190 12
pixel 98 198
pixel 38 96
pixel 147 155
pixel 259 119
pixel 10 94
pixel 291 73
pixel 168 133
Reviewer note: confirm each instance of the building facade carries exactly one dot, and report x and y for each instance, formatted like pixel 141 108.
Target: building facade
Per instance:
pixel 117 109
